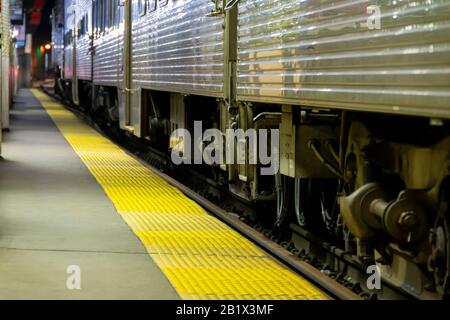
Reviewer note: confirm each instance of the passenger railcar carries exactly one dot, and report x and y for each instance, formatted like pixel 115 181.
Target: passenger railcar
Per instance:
pixel 5 64
pixel 360 92
pixel 58 31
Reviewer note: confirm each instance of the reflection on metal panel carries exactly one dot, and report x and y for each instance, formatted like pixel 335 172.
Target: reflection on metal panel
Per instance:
pixel 84 60
pixel 69 18
pixel 58 34
pixel 108 45
pixel 108 64
pixel 327 54
pixel 16 12
pixel 5 27
pixel 178 48
pixel 5 38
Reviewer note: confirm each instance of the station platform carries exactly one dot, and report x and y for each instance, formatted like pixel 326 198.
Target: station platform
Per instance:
pixel 71 197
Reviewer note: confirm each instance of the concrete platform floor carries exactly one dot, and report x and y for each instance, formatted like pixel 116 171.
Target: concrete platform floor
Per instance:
pixel 53 214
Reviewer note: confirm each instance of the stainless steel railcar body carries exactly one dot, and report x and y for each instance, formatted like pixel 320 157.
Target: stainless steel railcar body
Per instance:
pixel 58 34
pixel 177 47
pixel 77 57
pixel 108 58
pixel 108 43
pixel 69 18
pixel 5 47
pixel 328 54
pixel 83 24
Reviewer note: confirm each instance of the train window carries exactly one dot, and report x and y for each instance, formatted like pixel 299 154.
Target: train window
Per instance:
pixel 80 29
pixel 68 38
pixel 100 16
pixel 115 8
pixel 97 16
pixel 83 26
pixel 111 13
pixel 94 22
pixel 142 7
pixel 97 25
pixel 116 12
pixel 152 5
pixel 106 16
pixel 120 15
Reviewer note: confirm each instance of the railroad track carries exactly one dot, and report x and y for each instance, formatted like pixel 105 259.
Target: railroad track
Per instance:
pixel 326 265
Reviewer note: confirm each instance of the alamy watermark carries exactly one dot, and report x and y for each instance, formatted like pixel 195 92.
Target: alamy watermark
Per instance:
pixel 73 281
pixel 373 22
pixel 235 146
pixel 374 280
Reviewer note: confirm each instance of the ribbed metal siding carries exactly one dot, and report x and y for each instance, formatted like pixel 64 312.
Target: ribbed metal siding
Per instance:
pixel 178 48
pixel 108 58
pixel 5 29
pixel 321 53
pixel 69 18
pixel 5 64
pixel 58 34
pixel 84 58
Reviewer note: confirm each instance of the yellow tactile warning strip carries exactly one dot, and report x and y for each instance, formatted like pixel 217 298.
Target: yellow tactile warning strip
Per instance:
pixel 202 257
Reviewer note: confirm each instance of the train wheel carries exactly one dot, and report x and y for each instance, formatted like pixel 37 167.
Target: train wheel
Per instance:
pixel 440 241
pixel 315 204
pixel 284 195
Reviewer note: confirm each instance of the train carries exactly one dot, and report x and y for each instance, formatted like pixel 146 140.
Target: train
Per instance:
pixel 356 94
pixel 8 67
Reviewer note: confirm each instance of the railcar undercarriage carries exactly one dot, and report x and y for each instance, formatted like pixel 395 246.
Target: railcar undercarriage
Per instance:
pixel 374 186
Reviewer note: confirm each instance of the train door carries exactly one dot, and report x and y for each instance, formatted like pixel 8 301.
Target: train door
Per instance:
pixel 124 66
